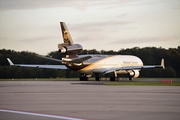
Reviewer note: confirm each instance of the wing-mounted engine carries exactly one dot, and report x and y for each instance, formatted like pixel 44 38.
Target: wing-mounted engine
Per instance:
pixel 70 49
pixel 134 74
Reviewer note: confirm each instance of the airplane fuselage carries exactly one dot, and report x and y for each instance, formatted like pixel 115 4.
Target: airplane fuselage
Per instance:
pixel 102 62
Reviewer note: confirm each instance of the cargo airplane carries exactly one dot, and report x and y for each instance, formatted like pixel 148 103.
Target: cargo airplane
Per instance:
pixel 99 65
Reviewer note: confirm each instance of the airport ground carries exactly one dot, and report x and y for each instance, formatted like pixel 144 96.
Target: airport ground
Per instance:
pixel 90 79
pixel 85 100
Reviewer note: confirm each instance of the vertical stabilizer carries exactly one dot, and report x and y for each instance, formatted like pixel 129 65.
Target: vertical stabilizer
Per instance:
pixel 65 33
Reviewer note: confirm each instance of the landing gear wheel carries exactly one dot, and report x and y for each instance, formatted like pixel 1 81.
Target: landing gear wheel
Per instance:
pixel 130 78
pixel 98 78
pixel 112 79
pixel 83 77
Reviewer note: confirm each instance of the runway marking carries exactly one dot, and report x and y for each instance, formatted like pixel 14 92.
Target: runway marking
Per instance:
pixel 41 115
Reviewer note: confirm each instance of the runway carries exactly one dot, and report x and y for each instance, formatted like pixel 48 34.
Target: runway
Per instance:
pixel 72 101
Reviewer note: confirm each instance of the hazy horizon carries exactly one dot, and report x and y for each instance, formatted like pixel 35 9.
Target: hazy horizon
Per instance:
pixel 95 24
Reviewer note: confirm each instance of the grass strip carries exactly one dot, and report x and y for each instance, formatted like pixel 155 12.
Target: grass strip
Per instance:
pixel 142 84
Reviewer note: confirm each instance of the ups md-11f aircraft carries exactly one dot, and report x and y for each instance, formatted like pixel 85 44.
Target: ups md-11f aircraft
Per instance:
pixel 98 65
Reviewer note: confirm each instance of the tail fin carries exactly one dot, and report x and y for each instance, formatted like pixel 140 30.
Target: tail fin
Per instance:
pixel 65 33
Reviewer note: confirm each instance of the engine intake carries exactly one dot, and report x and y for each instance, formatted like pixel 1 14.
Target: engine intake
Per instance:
pixel 134 73
pixel 72 49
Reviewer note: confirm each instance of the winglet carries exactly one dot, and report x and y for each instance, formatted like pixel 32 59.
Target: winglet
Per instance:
pixel 162 63
pixel 10 62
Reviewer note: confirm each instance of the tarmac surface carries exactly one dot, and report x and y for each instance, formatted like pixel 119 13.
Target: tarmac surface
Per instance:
pixel 68 100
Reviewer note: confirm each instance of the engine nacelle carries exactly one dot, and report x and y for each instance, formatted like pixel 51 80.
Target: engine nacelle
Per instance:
pixel 72 49
pixel 134 73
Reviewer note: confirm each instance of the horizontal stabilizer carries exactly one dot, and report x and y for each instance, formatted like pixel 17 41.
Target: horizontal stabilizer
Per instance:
pixel 77 60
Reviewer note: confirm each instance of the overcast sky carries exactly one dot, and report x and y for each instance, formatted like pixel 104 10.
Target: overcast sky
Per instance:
pixel 33 25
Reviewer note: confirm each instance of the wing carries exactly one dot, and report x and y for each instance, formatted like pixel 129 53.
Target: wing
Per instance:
pixel 135 67
pixel 38 66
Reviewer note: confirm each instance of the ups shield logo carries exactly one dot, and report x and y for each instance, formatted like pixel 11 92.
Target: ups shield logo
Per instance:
pixel 66 37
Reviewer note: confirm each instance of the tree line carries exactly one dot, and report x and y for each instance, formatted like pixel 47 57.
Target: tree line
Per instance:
pixel 149 56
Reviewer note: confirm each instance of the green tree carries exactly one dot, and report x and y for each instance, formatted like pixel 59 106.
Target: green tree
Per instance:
pixel 149 55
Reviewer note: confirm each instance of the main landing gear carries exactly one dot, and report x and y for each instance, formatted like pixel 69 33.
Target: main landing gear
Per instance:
pixel 130 78
pixel 115 77
pixel 83 77
pixel 112 79
pixel 97 78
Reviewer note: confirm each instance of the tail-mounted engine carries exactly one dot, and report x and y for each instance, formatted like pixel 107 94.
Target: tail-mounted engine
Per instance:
pixel 70 49
pixel 134 74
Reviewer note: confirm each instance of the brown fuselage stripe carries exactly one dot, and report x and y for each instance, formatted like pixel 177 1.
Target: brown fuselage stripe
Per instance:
pixel 87 67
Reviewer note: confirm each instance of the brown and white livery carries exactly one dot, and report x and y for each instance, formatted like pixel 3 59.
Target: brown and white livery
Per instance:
pixel 99 65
